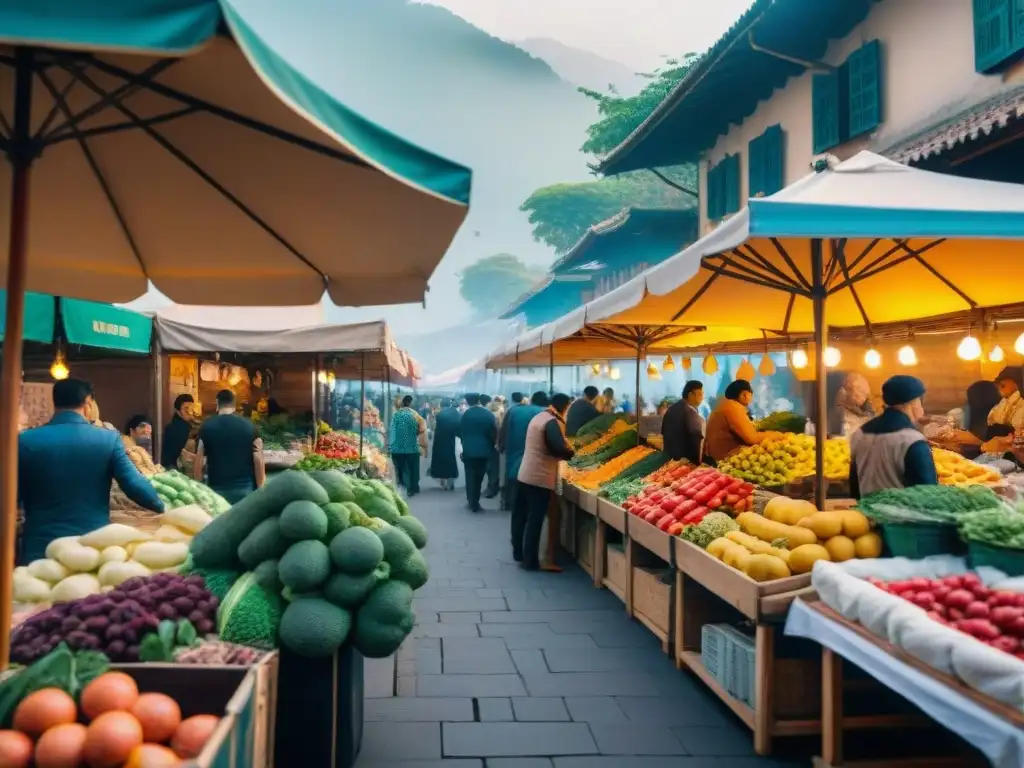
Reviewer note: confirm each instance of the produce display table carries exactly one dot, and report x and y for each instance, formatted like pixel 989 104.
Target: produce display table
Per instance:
pixel 994 728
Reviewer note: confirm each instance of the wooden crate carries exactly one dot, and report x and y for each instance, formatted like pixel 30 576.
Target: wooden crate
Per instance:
pixel 586 528
pixel 570 493
pixel 655 541
pixel 612 515
pixel 566 525
pixel 244 697
pixel 588 502
pixel 616 575
pixel 653 602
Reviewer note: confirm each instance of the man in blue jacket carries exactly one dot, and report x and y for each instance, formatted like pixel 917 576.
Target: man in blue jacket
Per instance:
pixel 512 441
pixel 65 470
pixel 478 431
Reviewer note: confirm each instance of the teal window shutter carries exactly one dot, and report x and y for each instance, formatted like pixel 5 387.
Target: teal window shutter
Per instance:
pixel 713 211
pixel 825 111
pixel 865 86
pixel 756 158
pixel 731 171
pixel 992 27
pixel 772 153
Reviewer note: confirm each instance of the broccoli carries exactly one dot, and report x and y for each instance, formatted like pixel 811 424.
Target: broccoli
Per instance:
pixel 713 526
pixel 250 614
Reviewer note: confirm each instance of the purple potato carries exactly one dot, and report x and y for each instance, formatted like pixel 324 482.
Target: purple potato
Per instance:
pixel 177 590
pixel 195 593
pixel 39 642
pixel 167 611
pixel 203 605
pixel 107 605
pixel 22 654
pixel 137 623
pixel 129 635
pixel 131 653
pixel 26 632
pixel 113 632
pixel 204 627
pixel 195 580
pixel 117 595
pixel 214 602
pixel 92 643
pixel 97 624
pixel 85 611
pixel 196 616
pixel 76 640
pixel 183 605
pixel 133 583
pixel 70 624
pixel 115 649
pixel 151 620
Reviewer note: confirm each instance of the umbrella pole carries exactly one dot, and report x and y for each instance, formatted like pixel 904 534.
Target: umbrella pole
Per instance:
pixel 820 403
pixel 636 400
pixel 20 155
pixel 551 369
pixel 362 404
pixel 158 398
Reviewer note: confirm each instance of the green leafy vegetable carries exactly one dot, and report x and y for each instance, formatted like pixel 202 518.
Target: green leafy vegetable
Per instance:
pixel 60 668
pixel 999 526
pixel 927 503
pixel 186 634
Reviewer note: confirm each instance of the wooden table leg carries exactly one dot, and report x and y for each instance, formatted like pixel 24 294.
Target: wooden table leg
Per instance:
pixel 678 644
pixel 831 708
pixel 764 666
pixel 628 545
pixel 600 547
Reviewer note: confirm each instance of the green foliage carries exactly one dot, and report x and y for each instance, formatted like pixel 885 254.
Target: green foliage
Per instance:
pixel 620 116
pixel 491 284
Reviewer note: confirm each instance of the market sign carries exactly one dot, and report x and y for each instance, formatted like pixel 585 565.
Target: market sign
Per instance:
pixel 39 317
pixel 92 324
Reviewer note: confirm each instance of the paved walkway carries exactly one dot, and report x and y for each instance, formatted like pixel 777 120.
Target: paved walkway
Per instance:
pixel 510 669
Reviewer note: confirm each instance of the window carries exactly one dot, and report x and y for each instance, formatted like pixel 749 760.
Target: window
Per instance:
pixel 723 184
pixel 998 32
pixel 848 102
pixel 764 163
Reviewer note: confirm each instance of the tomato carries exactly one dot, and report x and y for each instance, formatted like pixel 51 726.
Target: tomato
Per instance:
pixel 675 529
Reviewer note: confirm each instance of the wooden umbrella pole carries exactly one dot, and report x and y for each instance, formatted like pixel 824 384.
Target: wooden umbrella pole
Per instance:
pixel 20 155
pixel 820 395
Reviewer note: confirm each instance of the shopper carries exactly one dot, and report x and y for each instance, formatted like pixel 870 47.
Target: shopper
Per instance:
pixel 581 411
pixel 512 440
pixel 890 451
pixel 65 471
pixel 546 446
pixel 232 450
pixel 407 432
pixel 478 431
pixel 682 426
pixel 443 466
pixel 177 431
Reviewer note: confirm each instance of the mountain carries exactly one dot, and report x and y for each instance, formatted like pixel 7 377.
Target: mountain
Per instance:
pixel 437 80
pixel 584 68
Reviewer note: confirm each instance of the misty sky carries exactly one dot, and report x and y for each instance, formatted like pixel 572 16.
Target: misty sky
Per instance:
pixel 636 32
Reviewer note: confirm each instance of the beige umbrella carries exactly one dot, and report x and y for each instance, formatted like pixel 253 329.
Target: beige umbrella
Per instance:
pixel 168 141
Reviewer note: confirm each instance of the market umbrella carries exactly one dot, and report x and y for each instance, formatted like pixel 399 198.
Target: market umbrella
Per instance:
pixel 867 241
pixel 165 139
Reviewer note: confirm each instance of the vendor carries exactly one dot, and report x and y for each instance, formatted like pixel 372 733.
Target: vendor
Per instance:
pixel 682 426
pixel 982 399
pixel 1005 417
pixel 176 433
pixel 729 426
pixel 852 407
pixel 890 451
pixel 139 431
pixel 65 471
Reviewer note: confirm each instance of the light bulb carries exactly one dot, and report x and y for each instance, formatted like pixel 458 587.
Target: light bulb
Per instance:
pixel 710 365
pixel 872 359
pixel 607 369
pixel 596 369
pixel 832 357
pixel 907 356
pixel 746 371
pixel 653 372
pixel 322 377
pixel 331 378
pixel 59 370
pixel 687 363
pixel 969 348
pixel 766 366
pixel 669 364
pixel 798 359
pixel 996 354
pixel 614 374
pixel 1018 345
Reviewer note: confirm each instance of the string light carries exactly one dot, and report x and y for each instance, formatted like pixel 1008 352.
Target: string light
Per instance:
pixel 710 365
pixel 798 360
pixel 767 365
pixel 687 363
pixel 745 371
pixel 1018 345
pixel 59 369
pixel 832 357
pixel 969 348
pixel 652 372
pixel 996 354
pixel 872 358
pixel 614 374
pixel 907 356
pixel 595 369
pixel 669 365
pixel 322 377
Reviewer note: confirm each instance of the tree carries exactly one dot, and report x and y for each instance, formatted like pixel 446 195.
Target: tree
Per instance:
pixel 561 213
pixel 491 284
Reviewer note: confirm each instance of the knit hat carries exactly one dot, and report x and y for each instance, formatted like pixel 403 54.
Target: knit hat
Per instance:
pixel 899 390
pixel 1011 373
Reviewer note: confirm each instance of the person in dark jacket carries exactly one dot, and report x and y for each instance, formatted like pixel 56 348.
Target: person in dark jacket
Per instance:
pixel 512 441
pixel 65 471
pixel 682 427
pixel 890 451
pixel 443 465
pixel 233 452
pixel 582 410
pixel 478 431
pixel 546 446
pixel 176 432
pixel 494 462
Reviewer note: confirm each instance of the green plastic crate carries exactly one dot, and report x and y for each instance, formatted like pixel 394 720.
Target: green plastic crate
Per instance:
pixel 919 540
pixel 1009 561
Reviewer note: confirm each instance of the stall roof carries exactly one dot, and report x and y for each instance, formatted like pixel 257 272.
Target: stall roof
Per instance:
pixel 725 85
pixel 86 323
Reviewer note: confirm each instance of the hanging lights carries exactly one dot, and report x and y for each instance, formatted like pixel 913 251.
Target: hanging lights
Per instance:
pixel 669 365
pixel 832 357
pixel 798 359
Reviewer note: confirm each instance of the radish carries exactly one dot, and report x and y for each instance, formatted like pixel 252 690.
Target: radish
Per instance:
pixel 924 600
pixel 977 610
pixel 983 629
pixel 1006 643
pixel 1005 616
pixel 959 598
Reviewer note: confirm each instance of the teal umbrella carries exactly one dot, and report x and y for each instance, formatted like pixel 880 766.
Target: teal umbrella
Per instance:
pixel 166 140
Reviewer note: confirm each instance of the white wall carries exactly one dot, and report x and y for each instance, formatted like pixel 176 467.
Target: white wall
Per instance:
pixel 927 65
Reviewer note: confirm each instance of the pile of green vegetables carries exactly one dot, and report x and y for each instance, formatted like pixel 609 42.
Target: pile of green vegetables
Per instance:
pixel 928 503
pixel 62 668
pixel 313 560
pixel 596 427
pixel 783 421
pixel 617 491
pixel 315 462
pixel 621 443
pixel 642 468
pixel 1001 526
pixel 178 490
pixel 714 525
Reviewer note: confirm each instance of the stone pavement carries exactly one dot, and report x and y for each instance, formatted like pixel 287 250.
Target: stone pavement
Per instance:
pixel 510 669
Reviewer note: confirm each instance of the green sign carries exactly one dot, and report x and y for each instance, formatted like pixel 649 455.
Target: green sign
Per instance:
pixel 92 324
pixel 38 317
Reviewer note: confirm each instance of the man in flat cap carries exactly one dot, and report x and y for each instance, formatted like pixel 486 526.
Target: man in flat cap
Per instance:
pixel 890 451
